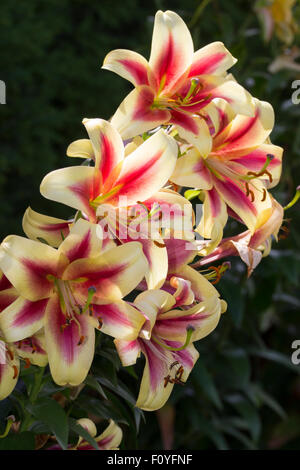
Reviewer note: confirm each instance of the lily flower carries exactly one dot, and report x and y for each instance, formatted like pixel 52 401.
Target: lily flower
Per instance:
pixel 237 170
pixel 174 320
pixel 176 83
pixel 110 439
pixel 114 179
pixel 250 247
pixel 69 291
pixel 119 183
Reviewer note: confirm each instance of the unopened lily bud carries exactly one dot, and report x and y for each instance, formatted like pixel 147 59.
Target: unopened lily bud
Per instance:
pixel 88 425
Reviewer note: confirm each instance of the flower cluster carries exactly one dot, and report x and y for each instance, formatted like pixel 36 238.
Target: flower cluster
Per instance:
pixel 186 124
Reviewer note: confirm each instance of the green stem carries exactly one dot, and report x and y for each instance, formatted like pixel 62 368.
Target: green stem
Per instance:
pixel 37 385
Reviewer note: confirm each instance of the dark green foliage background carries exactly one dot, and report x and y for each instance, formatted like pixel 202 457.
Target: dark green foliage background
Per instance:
pixel 244 391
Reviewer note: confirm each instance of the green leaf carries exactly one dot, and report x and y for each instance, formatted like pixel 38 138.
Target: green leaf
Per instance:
pixel 205 382
pixel 94 384
pixel 51 413
pixel 248 412
pixel 275 356
pixel 240 365
pixel 78 429
pixel 20 441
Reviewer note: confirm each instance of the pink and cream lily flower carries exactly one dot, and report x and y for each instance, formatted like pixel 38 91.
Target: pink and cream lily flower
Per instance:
pixel 109 439
pixel 176 83
pixel 250 247
pixel 69 292
pixel 114 179
pixel 117 180
pixel 174 320
pixel 236 172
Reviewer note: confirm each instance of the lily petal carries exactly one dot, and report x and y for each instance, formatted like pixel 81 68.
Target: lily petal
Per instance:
pixel 191 171
pixel 34 349
pixel 153 392
pixel 50 229
pixel 214 212
pixel 136 115
pixel 114 273
pixel 147 169
pixel 74 186
pixel 129 65
pixel 9 374
pixel 246 132
pixel 23 318
pixel 83 241
pixel 27 264
pixel 107 145
pixel 71 348
pixel 211 59
pixel 171 51
pixel 81 148
pixel 128 351
pixel 120 319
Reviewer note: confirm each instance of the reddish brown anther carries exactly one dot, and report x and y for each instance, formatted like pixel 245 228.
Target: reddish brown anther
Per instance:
pixel 28 363
pixel 15 372
pixel 80 340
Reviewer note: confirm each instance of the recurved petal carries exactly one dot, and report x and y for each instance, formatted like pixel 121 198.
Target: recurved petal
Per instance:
pixel 129 65
pixel 81 148
pixel 83 241
pixel 119 319
pixel 74 186
pixel 255 160
pixel 151 303
pixel 203 318
pixel 70 347
pixel 146 170
pixel 107 145
pixel 191 171
pixel 228 89
pixel 111 437
pixel 136 115
pixel 245 132
pixel 128 351
pixel 22 318
pixel 200 286
pixel 114 273
pixel 213 59
pixel 199 137
pixel 50 229
pixel 171 51
pixel 27 264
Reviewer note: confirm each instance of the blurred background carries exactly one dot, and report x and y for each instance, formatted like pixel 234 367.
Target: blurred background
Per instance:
pixel 244 392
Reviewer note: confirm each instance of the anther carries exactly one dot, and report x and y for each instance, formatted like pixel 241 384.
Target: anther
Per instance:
pixel 82 338
pixel 175 363
pixel 160 245
pixel 28 363
pixel 15 372
pixel 264 195
pixel 100 323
